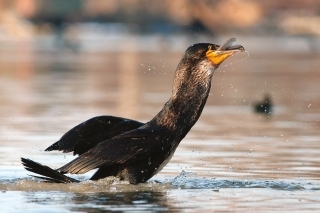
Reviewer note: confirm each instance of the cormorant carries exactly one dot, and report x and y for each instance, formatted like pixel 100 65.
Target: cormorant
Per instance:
pixel 135 151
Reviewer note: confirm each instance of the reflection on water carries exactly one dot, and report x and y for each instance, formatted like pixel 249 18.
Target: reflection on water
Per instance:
pixel 178 195
pixel 238 157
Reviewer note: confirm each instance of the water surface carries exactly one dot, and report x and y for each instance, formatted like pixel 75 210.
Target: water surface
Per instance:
pixel 233 160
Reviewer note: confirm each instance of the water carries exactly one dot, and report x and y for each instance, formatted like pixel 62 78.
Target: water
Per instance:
pixel 233 160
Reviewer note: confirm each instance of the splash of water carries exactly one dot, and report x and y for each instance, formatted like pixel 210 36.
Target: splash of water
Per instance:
pixel 186 180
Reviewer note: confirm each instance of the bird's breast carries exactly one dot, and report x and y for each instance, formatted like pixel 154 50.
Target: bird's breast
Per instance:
pixel 166 160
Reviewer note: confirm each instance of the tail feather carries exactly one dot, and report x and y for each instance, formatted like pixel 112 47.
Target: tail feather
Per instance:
pixel 50 175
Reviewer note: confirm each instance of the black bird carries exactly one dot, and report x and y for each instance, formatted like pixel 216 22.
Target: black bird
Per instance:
pixel 265 106
pixel 135 151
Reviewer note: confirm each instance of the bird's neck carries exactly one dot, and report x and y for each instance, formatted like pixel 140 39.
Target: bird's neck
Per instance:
pixel 185 106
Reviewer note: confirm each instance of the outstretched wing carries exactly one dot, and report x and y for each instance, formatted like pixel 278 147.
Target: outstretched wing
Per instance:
pixel 88 134
pixel 128 147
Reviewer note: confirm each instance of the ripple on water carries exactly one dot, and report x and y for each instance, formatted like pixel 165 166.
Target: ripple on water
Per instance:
pixel 185 180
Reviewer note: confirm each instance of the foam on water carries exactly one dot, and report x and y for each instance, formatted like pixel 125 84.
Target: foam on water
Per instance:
pixel 109 184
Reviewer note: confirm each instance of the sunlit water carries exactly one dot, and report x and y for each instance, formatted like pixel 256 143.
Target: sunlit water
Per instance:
pixel 233 160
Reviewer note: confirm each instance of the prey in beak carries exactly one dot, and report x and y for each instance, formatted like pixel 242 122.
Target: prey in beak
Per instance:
pixel 217 56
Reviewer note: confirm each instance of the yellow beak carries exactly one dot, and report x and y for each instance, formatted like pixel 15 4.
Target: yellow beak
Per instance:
pixel 223 52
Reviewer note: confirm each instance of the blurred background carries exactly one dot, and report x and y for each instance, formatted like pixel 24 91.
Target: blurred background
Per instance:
pixel 63 62
pixel 72 23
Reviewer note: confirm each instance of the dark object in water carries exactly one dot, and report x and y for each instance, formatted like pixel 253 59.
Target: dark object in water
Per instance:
pixel 135 151
pixel 265 106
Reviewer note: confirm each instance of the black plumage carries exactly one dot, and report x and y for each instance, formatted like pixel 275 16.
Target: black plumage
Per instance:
pixel 88 134
pixel 134 151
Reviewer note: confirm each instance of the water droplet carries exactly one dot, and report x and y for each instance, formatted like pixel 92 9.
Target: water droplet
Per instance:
pixel 149 162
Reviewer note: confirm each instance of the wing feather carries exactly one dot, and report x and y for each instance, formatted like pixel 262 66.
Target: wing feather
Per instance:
pixel 88 134
pixel 125 148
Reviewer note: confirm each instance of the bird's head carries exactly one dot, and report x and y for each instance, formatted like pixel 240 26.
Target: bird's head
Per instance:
pixel 216 54
pixel 197 65
pixel 200 60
